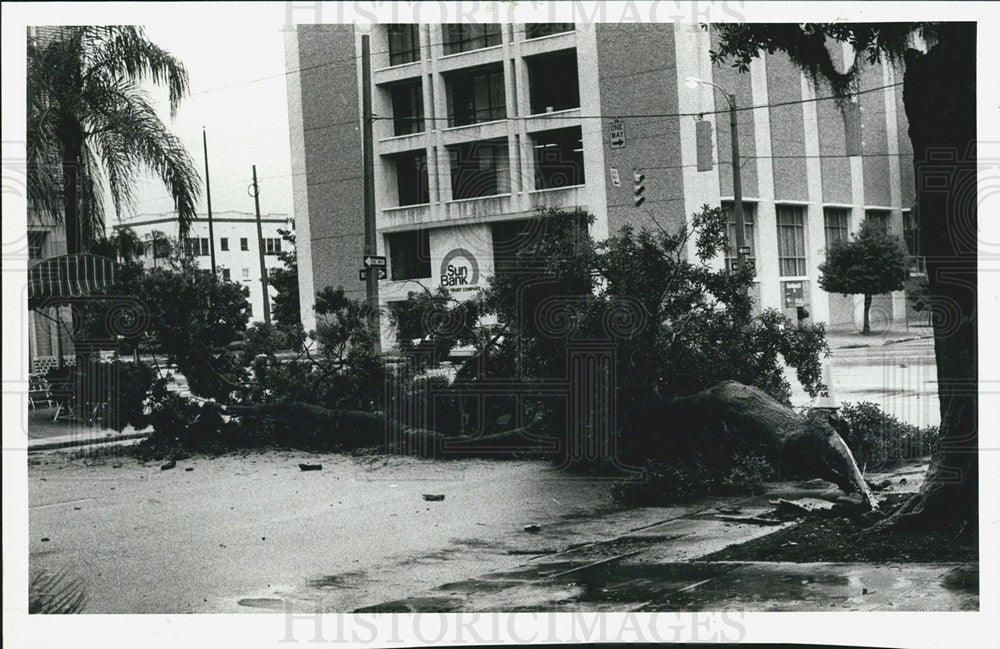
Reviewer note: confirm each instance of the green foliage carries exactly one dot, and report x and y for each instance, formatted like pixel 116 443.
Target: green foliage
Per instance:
pixel 872 263
pixel 285 282
pixel 878 439
pixel 685 479
pixel 434 321
pixel 92 130
pixel 56 594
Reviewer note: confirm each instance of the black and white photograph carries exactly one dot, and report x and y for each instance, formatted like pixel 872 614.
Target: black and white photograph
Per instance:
pixel 419 323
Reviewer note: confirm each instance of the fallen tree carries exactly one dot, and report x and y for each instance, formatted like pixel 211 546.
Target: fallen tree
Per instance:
pixel 742 416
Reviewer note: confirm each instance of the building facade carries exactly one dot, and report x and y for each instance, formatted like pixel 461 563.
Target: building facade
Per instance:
pixel 477 127
pixel 236 246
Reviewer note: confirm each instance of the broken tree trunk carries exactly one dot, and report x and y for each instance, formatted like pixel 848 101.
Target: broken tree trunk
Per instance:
pixel 798 445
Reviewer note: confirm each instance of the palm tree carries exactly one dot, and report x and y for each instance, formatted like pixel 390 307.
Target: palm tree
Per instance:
pixel 939 96
pixel 92 129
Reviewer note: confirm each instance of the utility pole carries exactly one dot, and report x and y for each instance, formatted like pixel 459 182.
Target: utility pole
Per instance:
pixel 260 250
pixel 369 162
pixel 734 135
pixel 208 201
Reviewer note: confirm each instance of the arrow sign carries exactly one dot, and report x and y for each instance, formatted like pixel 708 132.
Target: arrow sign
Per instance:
pixel 745 250
pixel 616 131
pixel 380 273
pixel 374 261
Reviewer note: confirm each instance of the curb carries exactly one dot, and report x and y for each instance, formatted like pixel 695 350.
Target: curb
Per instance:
pixel 84 441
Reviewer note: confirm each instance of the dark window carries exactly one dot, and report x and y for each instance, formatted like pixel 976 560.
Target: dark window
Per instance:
pixel 36 244
pixel 791 240
pixel 224 244
pixel 409 254
pixel 197 247
pixel 411 178
pixel 911 234
pixel 538 30
pixel 244 245
pixel 226 275
pixel 466 37
pixel 476 96
pixel 558 158
pixel 879 219
pixel 515 242
pixel 404 44
pixel 272 246
pixel 553 82
pixel 479 169
pixel 836 224
pixel 408 107
pixel 749 230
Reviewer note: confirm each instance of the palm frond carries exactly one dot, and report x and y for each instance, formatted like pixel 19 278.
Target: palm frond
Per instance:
pixel 56 594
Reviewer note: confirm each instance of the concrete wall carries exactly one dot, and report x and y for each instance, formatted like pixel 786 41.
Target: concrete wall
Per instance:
pixel 330 203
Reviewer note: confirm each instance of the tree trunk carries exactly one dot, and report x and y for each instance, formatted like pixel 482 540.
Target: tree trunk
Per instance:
pixel 867 329
pixel 939 95
pixel 72 150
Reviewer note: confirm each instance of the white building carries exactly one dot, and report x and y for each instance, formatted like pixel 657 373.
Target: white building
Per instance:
pixel 236 245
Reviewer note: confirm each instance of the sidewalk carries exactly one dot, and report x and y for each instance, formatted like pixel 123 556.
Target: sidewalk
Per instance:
pixel 851 338
pixel 45 434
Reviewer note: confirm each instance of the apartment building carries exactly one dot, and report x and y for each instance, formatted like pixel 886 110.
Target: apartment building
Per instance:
pixel 478 126
pixel 236 246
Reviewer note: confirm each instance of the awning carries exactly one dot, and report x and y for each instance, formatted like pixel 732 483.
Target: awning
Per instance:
pixel 62 279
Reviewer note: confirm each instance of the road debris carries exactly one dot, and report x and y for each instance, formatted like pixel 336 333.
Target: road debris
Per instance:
pixel 434 497
pixel 311 467
pixel 169 465
pixel 532 527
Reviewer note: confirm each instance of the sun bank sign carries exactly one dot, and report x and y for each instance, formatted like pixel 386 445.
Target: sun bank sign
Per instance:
pixel 460 271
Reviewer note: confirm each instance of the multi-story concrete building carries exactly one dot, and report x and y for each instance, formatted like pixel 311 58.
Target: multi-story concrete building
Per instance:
pixel 479 126
pixel 236 246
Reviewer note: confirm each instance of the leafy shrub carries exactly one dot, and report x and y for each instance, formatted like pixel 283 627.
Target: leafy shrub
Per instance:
pixel 877 438
pixel 117 389
pixel 678 480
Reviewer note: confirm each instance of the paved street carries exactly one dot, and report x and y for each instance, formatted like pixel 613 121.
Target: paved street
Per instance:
pixel 900 377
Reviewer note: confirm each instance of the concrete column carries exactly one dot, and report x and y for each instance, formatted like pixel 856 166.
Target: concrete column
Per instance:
pixel 596 170
pixel 819 303
pixel 895 190
pixel 691 45
pixel 765 228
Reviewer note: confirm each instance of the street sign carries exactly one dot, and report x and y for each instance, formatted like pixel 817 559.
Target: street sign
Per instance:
pixel 380 273
pixel 615 178
pixel 617 132
pixel 734 264
pixel 374 261
pixel 745 250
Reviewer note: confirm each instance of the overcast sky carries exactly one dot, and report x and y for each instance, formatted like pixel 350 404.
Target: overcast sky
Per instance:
pixel 238 94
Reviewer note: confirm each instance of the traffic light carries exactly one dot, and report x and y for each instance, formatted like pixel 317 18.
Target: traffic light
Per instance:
pixel 852 128
pixel 703 144
pixel 637 181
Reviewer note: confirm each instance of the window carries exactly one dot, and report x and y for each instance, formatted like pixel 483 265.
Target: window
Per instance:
pixel 36 244
pixel 749 230
pixel 836 224
pixel 513 241
pixel 160 247
pixel 197 247
pixel 538 30
pixel 878 219
pixel 553 83
pixel 404 44
pixel 558 158
pixel 467 37
pixel 791 240
pixel 411 178
pixel 479 169
pixel 246 273
pixel 911 234
pixel 272 246
pixel 407 107
pixel 476 96
pixel 409 254
pixel 224 244
pixel 226 275
pixel 243 244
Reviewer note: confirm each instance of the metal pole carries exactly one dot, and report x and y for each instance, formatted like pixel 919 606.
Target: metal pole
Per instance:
pixel 260 250
pixel 208 201
pixel 734 135
pixel 369 161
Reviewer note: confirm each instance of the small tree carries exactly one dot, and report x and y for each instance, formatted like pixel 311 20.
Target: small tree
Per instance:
pixel 872 263
pixel 285 282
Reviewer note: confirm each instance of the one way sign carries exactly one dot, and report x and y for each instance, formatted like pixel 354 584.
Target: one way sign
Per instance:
pixel 374 261
pixel 616 130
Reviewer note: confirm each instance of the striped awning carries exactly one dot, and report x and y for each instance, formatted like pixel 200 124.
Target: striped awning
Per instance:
pixel 62 279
